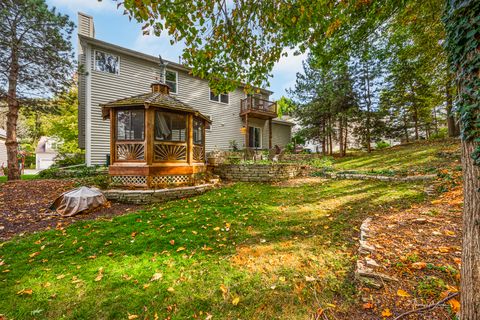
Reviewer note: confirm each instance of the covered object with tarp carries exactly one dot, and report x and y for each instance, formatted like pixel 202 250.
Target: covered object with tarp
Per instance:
pixel 78 200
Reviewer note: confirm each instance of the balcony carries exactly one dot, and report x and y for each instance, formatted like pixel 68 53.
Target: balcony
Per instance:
pixel 258 108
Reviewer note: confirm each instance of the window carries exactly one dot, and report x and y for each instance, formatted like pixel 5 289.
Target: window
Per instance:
pixel 170 126
pixel 171 80
pixel 223 98
pixel 107 62
pixel 198 131
pixel 130 125
pixel 254 137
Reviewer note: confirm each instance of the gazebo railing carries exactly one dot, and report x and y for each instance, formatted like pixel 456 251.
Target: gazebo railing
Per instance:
pixel 129 151
pixel 170 151
pixel 198 153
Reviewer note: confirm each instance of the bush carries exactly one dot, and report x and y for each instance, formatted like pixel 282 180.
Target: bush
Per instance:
pixel 323 163
pixel 66 160
pixel 441 134
pixel 382 145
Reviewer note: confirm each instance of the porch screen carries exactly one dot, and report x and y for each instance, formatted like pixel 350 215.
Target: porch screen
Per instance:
pixel 170 126
pixel 197 131
pixel 130 125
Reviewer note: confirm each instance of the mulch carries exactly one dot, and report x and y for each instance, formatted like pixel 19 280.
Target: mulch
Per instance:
pixel 421 247
pixel 24 207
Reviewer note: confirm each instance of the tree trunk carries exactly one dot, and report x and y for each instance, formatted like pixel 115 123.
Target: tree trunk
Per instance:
pixel 12 117
pixel 405 128
pixel 453 130
pixel 324 149
pixel 470 273
pixel 345 144
pixel 369 107
pixel 415 120
pixel 340 135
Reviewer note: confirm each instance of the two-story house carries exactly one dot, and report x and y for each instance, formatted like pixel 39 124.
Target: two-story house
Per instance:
pixel 108 72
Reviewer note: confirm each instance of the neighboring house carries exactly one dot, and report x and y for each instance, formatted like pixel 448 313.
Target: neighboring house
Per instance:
pixel 3 149
pixel 109 72
pixel 45 153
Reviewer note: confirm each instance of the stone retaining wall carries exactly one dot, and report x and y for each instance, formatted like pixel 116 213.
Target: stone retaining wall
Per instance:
pixel 260 172
pixel 358 176
pixel 155 196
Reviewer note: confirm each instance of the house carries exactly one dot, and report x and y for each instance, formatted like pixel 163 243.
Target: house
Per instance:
pixel 109 72
pixel 45 153
pixel 3 149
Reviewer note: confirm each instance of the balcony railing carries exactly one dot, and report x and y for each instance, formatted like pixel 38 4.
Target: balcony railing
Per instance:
pixel 258 104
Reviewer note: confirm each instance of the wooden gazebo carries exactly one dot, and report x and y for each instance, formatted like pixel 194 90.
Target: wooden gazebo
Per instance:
pixel 155 139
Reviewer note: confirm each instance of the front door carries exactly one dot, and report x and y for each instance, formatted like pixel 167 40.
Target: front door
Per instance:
pixel 255 137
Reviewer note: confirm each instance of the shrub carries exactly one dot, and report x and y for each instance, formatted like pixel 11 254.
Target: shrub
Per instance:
pixel 441 134
pixel 66 160
pixel 382 145
pixel 323 163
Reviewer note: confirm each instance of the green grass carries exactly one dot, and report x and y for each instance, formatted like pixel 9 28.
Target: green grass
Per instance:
pixel 24 177
pixel 418 157
pixel 277 236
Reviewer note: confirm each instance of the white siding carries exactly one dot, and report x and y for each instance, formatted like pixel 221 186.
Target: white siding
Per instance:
pixel 3 153
pixel 283 134
pixel 135 77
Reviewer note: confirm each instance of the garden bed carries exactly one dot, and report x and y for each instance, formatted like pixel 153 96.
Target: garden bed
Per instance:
pixel 24 207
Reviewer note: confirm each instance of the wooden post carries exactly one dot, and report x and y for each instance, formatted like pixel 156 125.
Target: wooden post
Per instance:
pixel 246 132
pixel 149 134
pixel 190 138
pixel 203 141
pixel 270 133
pixel 112 136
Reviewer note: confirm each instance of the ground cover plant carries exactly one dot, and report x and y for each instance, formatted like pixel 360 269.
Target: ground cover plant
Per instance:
pixel 243 251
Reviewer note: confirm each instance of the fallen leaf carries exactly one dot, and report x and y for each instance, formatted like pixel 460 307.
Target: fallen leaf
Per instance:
pixel 367 305
pixel 419 265
pixel 444 249
pixel 309 279
pixel 132 316
pixel 171 289
pixel 60 276
pixel 156 276
pixel 34 254
pixel 402 293
pixel 223 288
pixel 386 313
pixel 145 286
pixel 180 249
pixel 100 275
pixel 172 242
pixel 216 228
pixel 454 304
pixel 25 291
pixel 235 301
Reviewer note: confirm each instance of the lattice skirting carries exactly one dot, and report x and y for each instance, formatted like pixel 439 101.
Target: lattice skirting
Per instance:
pixel 130 180
pixel 172 179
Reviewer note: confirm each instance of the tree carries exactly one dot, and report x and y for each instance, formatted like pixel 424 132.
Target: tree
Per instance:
pixel 35 59
pixel 228 42
pixel 463 46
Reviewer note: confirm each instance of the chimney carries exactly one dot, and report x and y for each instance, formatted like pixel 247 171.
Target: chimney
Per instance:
pixel 86 26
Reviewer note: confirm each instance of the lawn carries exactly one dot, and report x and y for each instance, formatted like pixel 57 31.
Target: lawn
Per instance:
pixel 416 157
pixel 24 177
pixel 248 251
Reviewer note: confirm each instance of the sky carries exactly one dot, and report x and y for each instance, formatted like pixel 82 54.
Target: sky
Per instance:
pixel 112 26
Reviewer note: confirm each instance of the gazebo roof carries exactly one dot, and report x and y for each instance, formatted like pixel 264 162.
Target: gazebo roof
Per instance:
pixel 151 99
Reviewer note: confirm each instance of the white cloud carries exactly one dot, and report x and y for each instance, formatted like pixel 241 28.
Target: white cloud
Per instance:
pixel 154 45
pixel 84 5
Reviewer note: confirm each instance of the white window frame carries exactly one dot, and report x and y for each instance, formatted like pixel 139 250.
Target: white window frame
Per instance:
pixel 94 67
pixel 219 97
pixel 261 137
pixel 176 80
